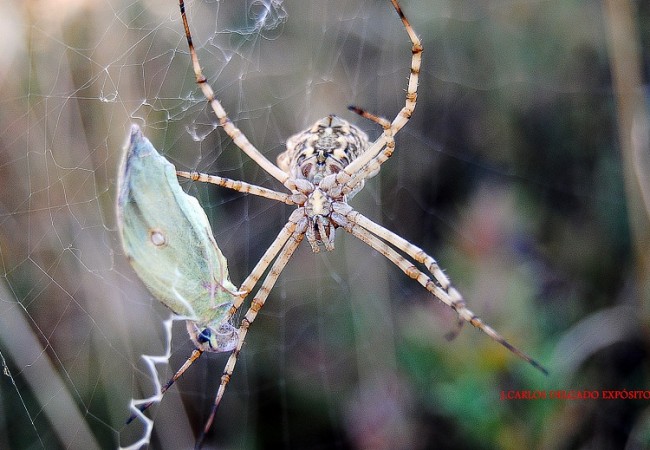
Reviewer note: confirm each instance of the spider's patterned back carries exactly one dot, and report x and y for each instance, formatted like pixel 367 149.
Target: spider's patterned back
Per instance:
pixel 324 149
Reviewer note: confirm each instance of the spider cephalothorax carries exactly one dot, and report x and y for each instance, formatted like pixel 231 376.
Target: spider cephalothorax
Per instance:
pixel 321 215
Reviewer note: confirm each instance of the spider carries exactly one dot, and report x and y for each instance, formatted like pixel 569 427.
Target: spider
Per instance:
pixel 323 167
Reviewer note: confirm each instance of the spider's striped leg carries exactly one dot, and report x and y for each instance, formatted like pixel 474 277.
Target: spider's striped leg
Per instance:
pixel 297 226
pixel 405 113
pixel 267 258
pixel 421 257
pixel 371 168
pixel 193 357
pixel 239 186
pixel 229 127
pixel 368 232
pixel 416 60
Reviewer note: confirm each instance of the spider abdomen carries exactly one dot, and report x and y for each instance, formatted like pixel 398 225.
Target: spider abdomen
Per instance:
pixel 324 149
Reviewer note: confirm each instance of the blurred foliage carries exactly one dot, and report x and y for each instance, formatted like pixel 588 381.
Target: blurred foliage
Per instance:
pixel 509 173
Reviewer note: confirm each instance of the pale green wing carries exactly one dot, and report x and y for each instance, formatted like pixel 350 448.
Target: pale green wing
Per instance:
pixel 167 237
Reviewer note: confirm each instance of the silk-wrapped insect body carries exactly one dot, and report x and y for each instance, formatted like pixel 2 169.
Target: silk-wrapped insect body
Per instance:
pixel 168 240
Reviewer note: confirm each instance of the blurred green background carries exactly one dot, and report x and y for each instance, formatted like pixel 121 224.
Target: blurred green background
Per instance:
pixel 524 172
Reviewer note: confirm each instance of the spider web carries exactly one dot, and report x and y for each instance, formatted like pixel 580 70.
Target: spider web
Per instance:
pixel 508 174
